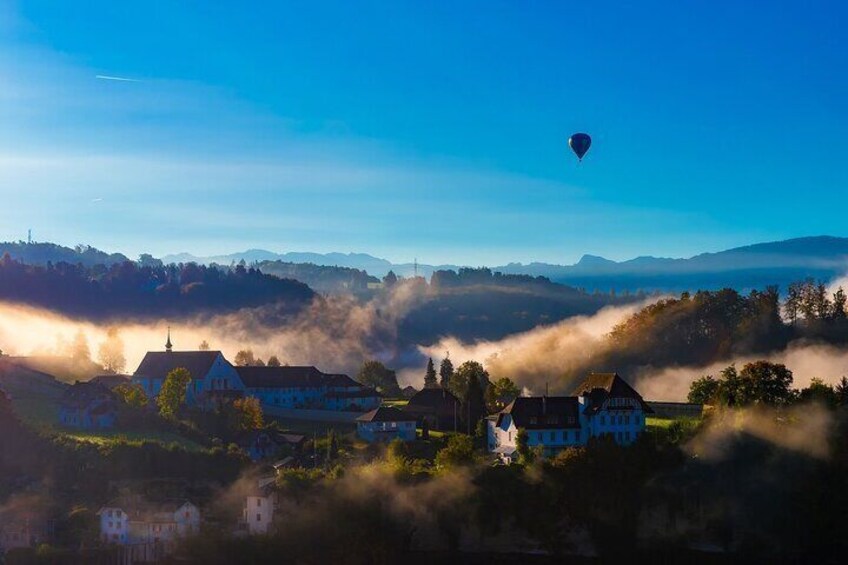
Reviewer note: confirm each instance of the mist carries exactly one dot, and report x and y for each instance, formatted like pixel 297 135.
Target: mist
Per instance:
pixel 806 361
pixel 542 356
pixel 335 333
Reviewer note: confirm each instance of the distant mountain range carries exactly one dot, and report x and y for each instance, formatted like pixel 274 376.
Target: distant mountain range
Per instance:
pixel 752 266
pixel 743 268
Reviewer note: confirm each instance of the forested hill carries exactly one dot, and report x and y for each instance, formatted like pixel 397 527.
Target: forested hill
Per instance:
pixel 43 253
pixel 320 278
pixel 133 289
pixel 711 326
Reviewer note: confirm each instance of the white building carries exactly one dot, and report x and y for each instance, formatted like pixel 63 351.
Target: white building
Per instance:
pixel 604 404
pixel 259 508
pixel 385 424
pixel 137 523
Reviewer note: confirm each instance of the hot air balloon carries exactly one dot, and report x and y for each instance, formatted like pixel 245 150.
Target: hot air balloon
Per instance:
pixel 580 143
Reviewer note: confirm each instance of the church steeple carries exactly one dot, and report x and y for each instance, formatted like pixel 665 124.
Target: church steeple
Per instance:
pixel 168 345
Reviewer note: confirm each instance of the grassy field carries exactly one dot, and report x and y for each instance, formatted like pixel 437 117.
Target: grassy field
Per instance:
pixel 396 402
pixel 310 428
pixel 41 412
pixel 107 437
pixel 658 422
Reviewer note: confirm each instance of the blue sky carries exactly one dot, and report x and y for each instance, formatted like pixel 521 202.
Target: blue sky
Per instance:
pixel 429 130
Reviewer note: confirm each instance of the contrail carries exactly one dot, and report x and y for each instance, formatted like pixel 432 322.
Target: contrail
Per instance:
pixel 96 200
pixel 122 79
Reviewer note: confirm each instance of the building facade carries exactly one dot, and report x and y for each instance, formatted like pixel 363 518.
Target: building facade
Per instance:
pixel 88 406
pixel 603 405
pixel 386 424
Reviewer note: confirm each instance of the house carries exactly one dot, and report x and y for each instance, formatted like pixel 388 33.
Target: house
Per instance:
pixel 604 404
pixel 213 378
pixel 137 522
pixel 408 391
pixel 437 406
pixel 306 387
pixel 385 424
pixel 88 406
pixel 259 507
pixel 264 444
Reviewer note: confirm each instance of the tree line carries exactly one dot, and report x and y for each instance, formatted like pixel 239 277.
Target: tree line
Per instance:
pixel 144 288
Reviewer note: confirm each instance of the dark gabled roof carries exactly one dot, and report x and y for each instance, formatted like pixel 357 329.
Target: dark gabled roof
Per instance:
pixel 157 364
pixel 386 414
pixel 83 394
pixel 281 377
pixel 600 386
pixel 339 380
pixel 435 398
pixel 362 393
pixel 111 381
pixel 543 412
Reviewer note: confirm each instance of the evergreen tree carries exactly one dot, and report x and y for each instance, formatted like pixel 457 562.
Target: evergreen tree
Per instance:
pixel 430 376
pixel 445 372
pixel 273 361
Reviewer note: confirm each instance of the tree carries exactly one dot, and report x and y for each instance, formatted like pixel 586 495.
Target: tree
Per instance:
pixel 841 390
pixel 522 447
pixel 475 405
pixel 390 279
pixel 462 378
pixel 760 382
pixel 131 394
pixel 332 445
pixel 376 375
pixel 838 307
pixel 792 304
pixel 273 361
pixel 459 451
pixel 259 362
pixel 79 347
pixel 111 352
pixel 445 372
pixel 247 413
pixel 430 375
pixel 172 395
pixel 819 392
pixel 481 435
pixel 245 358
pixel 703 390
pixel 204 346
pixel 500 393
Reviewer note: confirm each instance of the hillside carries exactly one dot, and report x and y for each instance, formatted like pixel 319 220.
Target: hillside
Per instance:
pixel 43 253
pixel 743 268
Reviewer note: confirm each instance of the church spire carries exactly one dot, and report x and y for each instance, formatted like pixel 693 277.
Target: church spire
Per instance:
pixel 168 345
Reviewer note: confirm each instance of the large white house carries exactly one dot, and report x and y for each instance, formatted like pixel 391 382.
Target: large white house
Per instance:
pixel 603 404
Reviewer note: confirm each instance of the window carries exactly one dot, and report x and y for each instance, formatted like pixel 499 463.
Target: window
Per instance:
pixel 552 436
pixel 258 502
pixel 258 517
pixel 603 420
